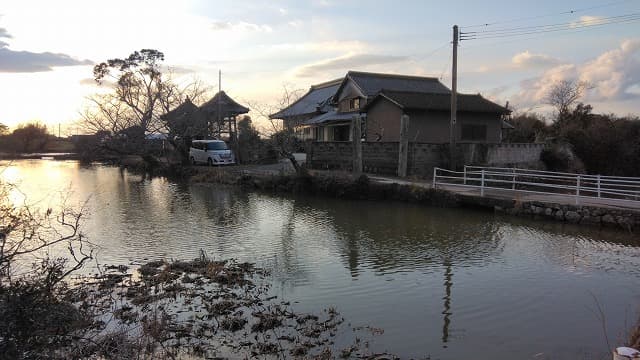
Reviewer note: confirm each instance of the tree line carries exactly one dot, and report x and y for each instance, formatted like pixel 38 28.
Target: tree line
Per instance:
pixel 26 138
pixel 604 144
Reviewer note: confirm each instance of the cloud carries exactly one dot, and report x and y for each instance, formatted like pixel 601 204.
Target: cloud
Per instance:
pixel 587 20
pixel 88 82
pixel 239 26
pixel 613 75
pixel 4 33
pixel 177 70
pixel 337 46
pixel 526 59
pixel 26 61
pixel 347 62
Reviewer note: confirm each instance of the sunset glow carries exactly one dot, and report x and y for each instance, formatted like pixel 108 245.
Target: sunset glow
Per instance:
pixel 47 48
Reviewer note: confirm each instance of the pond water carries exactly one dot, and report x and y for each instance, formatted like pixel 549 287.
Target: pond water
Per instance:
pixel 445 283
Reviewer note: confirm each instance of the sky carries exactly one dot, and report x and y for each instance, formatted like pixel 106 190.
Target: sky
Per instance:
pixel 48 48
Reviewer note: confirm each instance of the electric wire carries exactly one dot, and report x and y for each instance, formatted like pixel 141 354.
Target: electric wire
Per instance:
pixel 568 12
pixel 541 29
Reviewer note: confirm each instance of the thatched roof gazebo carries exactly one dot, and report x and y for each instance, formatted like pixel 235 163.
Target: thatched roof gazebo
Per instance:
pixel 221 112
pixel 187 120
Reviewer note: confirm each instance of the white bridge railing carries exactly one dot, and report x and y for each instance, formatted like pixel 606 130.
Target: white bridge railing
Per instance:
pixel 540 182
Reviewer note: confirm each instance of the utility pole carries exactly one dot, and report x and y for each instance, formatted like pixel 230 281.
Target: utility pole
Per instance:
pixel 454 100
pixel 219 96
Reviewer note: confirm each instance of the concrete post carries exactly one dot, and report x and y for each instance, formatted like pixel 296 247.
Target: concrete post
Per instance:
pixel 578 190
pixel 356 138
pixel 403 148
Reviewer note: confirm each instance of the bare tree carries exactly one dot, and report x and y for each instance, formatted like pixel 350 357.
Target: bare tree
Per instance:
pixel 119 110
pixel 26 232
pixel 281 131
pixel 105 112
pixel 564 94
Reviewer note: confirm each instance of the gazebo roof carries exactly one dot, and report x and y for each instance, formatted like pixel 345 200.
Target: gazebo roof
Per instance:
pixel 228 106
pixel 186 108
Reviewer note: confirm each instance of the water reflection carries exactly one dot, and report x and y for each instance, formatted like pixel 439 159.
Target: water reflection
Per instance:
pixel 397 236
pixel 391 265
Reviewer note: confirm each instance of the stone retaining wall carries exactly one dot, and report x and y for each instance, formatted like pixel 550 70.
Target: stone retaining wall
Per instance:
pixel 626 219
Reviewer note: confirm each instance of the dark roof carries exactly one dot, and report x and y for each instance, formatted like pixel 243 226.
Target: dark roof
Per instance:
pixel 227 104
pixel 315 100
pixel 186 108
pixel 372 83
pixel 330 116
pixel 415 100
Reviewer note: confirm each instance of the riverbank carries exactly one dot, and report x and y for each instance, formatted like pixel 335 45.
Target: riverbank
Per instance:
pixel 281 178
pixel 347 186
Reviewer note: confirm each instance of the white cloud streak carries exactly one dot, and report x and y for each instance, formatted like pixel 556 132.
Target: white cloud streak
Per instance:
pixel 347 62
pixel 613 75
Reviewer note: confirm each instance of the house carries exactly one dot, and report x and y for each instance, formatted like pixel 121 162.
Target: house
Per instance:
pixel 316 102
pixel 478 119
pixel 381 99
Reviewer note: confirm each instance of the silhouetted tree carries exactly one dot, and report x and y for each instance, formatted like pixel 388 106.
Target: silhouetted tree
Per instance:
pixel 4 129
pixel 30 137
pixel 528 128
pixel 138 84
pixel 563 95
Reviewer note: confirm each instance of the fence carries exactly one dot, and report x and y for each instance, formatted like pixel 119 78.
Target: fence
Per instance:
pixel 540 182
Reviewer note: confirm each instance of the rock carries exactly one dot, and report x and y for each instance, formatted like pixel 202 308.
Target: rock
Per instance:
pixel 548 211
pixel 608 219
pixel 593 220
pixel 572 217
pixel 559 215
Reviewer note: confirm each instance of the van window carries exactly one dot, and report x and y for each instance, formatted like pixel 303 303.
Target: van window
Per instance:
pixel 217 146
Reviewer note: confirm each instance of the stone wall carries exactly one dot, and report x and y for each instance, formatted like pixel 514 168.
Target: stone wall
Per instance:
pixel 382 157
pixel 502 154
pixel 423 158
pixel 625 219
pixel 330 155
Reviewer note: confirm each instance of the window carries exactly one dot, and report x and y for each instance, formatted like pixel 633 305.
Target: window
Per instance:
pixel 341 133
pixel 474 132
pixel 307 131
pixel 318 133
pixel 354 104
pixel 218 145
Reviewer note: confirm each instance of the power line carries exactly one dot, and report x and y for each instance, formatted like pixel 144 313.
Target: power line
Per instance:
pixel 568 12
pixel 564 24
pixel 444 70
pixel 541 29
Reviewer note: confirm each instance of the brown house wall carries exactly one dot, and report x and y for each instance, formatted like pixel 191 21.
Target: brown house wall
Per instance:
pixel 383 121
pixel 425 126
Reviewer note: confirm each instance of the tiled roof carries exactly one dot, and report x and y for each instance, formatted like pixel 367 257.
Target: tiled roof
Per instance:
pixel 373 83
pixel 422 101
pixel 228 105
pixel 187 107
pixel 329 117
pixel 316 98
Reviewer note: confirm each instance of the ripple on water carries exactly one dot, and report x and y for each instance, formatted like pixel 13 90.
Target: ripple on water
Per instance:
pixel 451 283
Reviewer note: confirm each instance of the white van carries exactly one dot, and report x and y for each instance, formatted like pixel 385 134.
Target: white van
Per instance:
pixel 211 152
